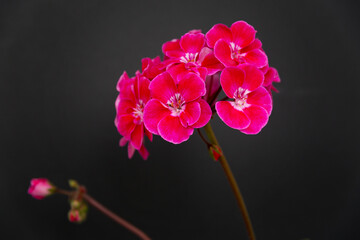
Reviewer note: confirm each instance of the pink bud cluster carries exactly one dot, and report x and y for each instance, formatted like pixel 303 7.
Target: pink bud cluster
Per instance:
pixel 174 96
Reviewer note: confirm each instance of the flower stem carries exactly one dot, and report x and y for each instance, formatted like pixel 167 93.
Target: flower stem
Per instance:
pixel 203 138
pixel 115 217
pixel 211 135
pixel 90 200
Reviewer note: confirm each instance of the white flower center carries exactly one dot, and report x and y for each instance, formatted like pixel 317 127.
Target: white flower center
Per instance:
pixel 236 52
pixel 176 104
pixel 240 97
pixel 138 112
pixel 189 57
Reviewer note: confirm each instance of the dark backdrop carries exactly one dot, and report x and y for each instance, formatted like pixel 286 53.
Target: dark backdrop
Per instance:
pixel 59 64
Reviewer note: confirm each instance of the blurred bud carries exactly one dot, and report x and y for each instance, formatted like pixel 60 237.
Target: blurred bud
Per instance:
pixel 78 211
pixel 74 216
pixel 73 183
pixel 215 152
pixel 40 188
pixel 75 204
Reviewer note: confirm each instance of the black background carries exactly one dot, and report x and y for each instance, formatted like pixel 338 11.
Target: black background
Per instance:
pixel 59 63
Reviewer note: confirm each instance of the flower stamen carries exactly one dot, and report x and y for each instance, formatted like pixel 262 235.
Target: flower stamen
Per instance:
pixel 139 112
pixel 189 57
pixel 240 96
pixel 236 52
pixel 176 104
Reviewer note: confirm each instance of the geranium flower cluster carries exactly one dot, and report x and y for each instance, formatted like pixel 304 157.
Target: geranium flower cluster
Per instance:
pixel 174 96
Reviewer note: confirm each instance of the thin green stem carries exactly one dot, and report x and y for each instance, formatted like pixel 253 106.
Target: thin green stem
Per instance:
pixel 211 135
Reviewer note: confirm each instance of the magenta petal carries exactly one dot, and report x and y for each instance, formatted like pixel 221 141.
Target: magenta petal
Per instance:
pixel 145 63
pixel 125 125
pixel 256 57
pixel 152 68
pixel 231 116
pixel 208 60
pixel 202 72
pixel 148 62
pixel 172 48
pixel 271 76
pixel 219 31
pixel 149 135
pixel 173 131
pixel 264 69
pixel 231 79
pixel 203 53
pixel 162 87
pixel 144 152
pixel 141 88
pixel 124 86
pixel 117 101
pixel 192 43
pixel 256 44
pixel 125 107
pixel 127 93
pixel 195 31
pixel 191 114
pixel 131 150
pixel 276 75
pixel 154 112
pixel 172 45
pixel 177 69
pixel 123 141
pixel 205 115
pixel 191 87
pixel 212 86
pixel 222 52
pixel 243 33
pixel 260 97
pixel 259 117
pixel 137 136
pixel 254 77
pixel 123 78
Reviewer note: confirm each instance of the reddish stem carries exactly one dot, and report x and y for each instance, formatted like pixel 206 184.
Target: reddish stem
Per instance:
pixel 230 176
pixel 108 213
pixel 115 217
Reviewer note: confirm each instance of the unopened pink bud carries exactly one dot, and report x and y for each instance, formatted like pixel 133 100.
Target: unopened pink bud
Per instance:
pixel 74 216
pixel 40 188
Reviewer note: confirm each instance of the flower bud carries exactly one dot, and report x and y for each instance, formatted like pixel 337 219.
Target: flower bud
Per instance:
pixel 215 152
pixel 74 216
pixel 78 211
pixel 73 183
pixel 40 188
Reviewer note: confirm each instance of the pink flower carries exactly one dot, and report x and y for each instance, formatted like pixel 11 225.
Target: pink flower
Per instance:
pixel 251 106
pixel 133 95
pixel 236 45
pixel 176 108
pixel 190 54
pixel 40 188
